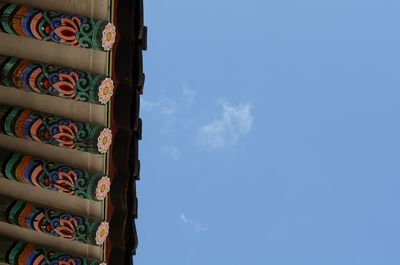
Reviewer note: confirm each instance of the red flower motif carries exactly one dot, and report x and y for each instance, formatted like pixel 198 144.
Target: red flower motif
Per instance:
pixel 66 84
pixel 66 182
pixel 67 31
pixel 66 135
pixel 67 228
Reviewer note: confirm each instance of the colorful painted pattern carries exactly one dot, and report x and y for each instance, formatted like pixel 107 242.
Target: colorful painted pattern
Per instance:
pixel 55 223
pixel 57 27
pixel 53 176
pixel 54 130
pixel 55 81
pixel 29 254
pixel 16 252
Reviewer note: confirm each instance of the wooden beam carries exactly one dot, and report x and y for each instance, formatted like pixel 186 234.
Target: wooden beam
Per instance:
pixel 53 176
pixel 54 80
pixel 73 30
pixel 13 252
pixel 51 129
pixel 53 222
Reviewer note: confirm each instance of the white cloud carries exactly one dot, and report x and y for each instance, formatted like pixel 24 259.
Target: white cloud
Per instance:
pixel 184 219
pixel 233 123
pixel 172 151
pixel 164 105
pixel 170 106
pixel 196 225
pixel 188 95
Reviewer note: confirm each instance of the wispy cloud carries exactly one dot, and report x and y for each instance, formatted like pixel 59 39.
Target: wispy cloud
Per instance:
pixel 163 105
pixel 170 106
pixel 233 123
pixel 188 94
pixel 172 151
pixel 198 227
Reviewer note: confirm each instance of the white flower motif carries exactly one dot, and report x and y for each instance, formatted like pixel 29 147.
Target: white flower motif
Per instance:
pixel 106 90
pixel 104 140
pixel 103 188
pixel 109 34
pixel 102 233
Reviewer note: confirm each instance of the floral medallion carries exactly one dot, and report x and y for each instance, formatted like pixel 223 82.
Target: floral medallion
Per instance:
pixel 108 39
pixel 103 188
pixel 102 233
pixel 106 90
pixel 104 141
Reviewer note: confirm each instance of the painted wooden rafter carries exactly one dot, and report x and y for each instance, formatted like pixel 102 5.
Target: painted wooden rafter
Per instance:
pixel 124 79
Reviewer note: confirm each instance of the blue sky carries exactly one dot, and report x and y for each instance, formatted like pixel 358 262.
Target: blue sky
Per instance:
pixel 271 133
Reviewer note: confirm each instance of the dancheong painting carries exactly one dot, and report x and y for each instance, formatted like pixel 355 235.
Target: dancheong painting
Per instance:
pixel 71 77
